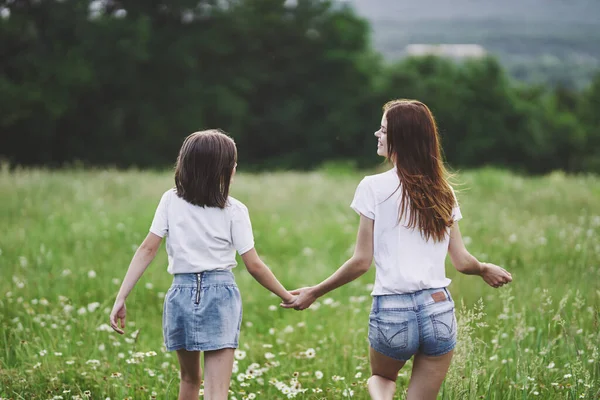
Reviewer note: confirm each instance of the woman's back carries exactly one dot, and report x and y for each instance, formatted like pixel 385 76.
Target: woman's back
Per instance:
pixel 408 223
pixel 405 261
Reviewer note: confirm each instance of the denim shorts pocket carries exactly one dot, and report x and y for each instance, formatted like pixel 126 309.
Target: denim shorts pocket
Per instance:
pixel 393 334
pixel 444 325
pixel 170 293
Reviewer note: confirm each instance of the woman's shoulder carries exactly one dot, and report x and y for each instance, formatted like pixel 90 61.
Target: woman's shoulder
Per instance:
pixel 383 178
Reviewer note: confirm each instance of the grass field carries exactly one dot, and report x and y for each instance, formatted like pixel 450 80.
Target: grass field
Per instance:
pixel 67 239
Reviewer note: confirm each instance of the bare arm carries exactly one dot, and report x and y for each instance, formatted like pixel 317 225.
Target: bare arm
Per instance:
pixel 357 265
pixel 462 260
pixel 263 275
pixel 466 263
pixel 141 259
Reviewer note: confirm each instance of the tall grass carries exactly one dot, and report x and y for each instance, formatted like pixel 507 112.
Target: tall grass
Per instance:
pixel 67 238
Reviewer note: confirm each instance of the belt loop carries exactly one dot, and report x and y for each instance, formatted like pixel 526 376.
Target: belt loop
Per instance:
pixel 448 294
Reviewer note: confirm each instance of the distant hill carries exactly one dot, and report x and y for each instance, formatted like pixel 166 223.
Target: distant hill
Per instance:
pixel 577 11
pixel 556 41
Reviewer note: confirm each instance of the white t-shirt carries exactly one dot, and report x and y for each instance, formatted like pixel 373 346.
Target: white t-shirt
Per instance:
pixel 202 238
pixel 404 261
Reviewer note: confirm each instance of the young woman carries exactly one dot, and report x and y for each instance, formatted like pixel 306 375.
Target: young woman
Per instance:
pixel 204 227
pixel 408 222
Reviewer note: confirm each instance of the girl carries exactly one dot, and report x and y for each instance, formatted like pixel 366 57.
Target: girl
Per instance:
pixel 409 222
pixel 204 227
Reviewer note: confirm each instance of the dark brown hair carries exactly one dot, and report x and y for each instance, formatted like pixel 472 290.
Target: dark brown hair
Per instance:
pixel 413 144
pixel 204 168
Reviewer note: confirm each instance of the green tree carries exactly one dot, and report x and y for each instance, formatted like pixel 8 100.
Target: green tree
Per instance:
pixel 590 117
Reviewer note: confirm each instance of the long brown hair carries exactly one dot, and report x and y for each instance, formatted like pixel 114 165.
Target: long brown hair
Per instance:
pixel 204 168
pixel 413 144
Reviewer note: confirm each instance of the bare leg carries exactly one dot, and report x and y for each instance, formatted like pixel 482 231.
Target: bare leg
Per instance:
pixel 218 365
pixel 428 373
pixel 191 374
pixel 384 372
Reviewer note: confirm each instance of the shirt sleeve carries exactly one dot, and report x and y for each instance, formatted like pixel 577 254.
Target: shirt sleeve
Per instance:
pixel 241 230
pixel 160 223
pixel 364 200
pixel 456 214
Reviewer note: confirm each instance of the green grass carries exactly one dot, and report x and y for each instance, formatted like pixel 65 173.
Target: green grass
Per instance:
pixel 67 238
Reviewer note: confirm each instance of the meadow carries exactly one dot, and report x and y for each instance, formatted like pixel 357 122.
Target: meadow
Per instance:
pixel 67 239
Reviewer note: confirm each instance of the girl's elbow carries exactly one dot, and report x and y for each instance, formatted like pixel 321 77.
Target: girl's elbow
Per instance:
pixel 364 268
pixel 363 264
pixel 254 268
pixel 148 250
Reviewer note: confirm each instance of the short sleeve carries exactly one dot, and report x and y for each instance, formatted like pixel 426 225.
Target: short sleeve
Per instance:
pixel 241 229
pixel 456 214
pixel 160 223
pixel 364 200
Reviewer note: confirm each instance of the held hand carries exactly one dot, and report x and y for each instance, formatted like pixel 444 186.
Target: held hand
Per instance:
pixel 289 299
pixel 495 276
pixel 118 313
pixel 305 297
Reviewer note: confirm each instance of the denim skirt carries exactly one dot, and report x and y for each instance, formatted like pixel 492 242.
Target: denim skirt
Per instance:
pixel 202 312
pixel 401 325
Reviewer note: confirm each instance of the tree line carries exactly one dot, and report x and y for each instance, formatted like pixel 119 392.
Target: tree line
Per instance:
pixel 121 83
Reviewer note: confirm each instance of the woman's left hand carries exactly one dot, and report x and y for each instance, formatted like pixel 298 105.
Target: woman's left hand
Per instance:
pixel 305 297
pixel 494 275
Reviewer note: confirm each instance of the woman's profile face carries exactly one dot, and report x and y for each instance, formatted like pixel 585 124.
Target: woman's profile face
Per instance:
pixel 381 136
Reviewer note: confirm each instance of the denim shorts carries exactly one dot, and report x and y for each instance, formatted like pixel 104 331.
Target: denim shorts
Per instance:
pixel 202 312
pixel 401 325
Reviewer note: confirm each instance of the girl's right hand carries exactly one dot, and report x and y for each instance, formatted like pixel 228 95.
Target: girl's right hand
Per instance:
pixel 304 298
pixel 494 275
pixel 118 313
pixel 289 299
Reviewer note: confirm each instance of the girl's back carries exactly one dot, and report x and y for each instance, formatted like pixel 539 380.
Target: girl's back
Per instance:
pixel 204 227
pixel 202 238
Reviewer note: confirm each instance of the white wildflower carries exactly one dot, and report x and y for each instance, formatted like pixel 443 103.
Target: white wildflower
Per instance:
pixel 310 353
pixel 288 329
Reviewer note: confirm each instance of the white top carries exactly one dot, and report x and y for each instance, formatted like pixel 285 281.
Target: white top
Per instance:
pixel 202 238
pixel 404 261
